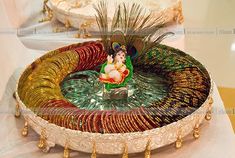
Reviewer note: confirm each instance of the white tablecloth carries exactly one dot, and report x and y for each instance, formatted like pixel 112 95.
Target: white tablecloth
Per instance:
pixel 217 137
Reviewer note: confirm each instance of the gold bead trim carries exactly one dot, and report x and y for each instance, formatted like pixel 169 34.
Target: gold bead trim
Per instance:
pixel 147 153
pixel 24 131
pixel 42 141
pixel 17 110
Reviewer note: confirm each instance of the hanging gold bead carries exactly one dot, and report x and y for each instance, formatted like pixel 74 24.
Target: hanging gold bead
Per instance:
pixel 24 131
pixel 17 111
pixel 66 152
pixel 125 152
pixel 50 15
pixel 208 115
pixel 41 144
pixel 211 101
pixel 78 34
pixel 67 24
pixel 93 155
pixel 84 30
pixel 87 35
pixel 179 142
pixel 196 132
pixel 147 153
pixel 42 141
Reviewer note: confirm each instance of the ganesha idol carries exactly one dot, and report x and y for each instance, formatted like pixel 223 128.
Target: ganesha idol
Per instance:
pixel 118 70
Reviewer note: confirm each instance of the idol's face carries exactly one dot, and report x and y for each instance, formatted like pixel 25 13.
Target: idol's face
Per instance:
pixel 120 56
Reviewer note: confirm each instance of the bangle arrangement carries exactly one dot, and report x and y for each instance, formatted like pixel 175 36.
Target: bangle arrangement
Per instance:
pixel 52 88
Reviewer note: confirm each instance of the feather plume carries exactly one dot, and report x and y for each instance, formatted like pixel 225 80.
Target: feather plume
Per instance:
pixel 134 24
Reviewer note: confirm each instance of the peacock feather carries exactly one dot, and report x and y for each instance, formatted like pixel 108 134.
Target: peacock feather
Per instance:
pixel 131 26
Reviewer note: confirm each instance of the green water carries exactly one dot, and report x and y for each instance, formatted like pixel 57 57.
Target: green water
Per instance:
pixel 84 90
